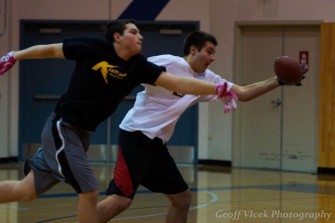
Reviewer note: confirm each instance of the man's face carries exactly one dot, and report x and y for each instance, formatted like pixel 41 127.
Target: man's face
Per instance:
pixel 203 58
pixel 131 39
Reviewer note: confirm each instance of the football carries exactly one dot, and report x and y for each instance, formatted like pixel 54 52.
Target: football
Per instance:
pixel 288 70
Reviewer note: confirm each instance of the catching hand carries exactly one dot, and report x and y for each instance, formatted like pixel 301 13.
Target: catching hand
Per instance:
pixel 7 62
pixel 304 70
pixel 229 98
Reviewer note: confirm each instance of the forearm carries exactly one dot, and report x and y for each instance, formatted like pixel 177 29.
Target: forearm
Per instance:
pixel 196 87
pixel 185 85
pixel 40 52
pixel 251 91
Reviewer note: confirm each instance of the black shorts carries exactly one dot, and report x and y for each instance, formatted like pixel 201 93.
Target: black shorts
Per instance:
pixel 147 162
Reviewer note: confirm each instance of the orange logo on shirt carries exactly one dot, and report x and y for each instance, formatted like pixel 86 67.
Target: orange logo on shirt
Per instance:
pixel 108 70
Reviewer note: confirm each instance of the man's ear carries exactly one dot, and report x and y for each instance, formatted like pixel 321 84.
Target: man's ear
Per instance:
pixel 193 50
pixel 116 37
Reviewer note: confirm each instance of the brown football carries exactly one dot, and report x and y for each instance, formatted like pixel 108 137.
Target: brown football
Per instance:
pixel 288 70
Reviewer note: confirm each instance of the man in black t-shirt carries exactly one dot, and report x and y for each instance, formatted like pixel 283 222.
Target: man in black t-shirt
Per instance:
pixel 105 72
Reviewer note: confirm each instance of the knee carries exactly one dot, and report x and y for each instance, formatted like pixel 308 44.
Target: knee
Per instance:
pixel 182 200
pixel 92 195
pixel 112 206
pixel 123 203
pixel 28 195
pixel 26 192
pixel 25 189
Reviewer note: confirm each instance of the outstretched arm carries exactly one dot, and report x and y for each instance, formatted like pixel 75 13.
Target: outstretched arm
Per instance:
pixel 251 91
pixel 34 52
pixel 40 52
pixel 185 85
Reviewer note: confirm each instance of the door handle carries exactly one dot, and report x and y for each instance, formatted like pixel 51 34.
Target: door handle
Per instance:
pixel 276 103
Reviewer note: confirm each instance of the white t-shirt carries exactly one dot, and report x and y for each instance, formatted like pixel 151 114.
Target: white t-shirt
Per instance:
pixel 157 110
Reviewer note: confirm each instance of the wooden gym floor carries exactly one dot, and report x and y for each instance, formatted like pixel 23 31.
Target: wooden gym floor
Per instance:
pixel 219 195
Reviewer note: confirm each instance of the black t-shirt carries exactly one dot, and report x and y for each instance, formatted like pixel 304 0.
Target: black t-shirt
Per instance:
pixel 100 81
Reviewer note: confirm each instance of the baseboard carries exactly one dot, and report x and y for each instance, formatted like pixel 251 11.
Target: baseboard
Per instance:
pixel 9 160
pixel 211 162
pixel 326 170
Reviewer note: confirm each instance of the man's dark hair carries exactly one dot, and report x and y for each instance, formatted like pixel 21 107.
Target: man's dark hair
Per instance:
pixel 116 26
pixel 197 39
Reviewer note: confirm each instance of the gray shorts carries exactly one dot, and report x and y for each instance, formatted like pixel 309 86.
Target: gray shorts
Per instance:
pixel 62 157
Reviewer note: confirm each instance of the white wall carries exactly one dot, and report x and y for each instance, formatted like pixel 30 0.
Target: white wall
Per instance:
pixel 215 16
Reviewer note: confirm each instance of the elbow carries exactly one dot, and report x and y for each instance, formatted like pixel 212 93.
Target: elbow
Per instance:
pixel 244 97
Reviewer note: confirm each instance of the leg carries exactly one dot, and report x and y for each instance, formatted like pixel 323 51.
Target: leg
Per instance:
pixel 65 150
pixel 13 190
pixel 112 206
pixel 87 207
pixel 129 168
pixel 180 204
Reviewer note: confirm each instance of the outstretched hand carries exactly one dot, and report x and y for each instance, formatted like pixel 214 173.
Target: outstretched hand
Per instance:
pixel 229 98
pixel 304 70
pixel 7 62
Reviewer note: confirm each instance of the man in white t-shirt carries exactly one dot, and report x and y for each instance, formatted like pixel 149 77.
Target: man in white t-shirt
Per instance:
pixel 143 158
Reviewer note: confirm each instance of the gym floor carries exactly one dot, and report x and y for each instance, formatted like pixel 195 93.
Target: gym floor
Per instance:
pixel 219 195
